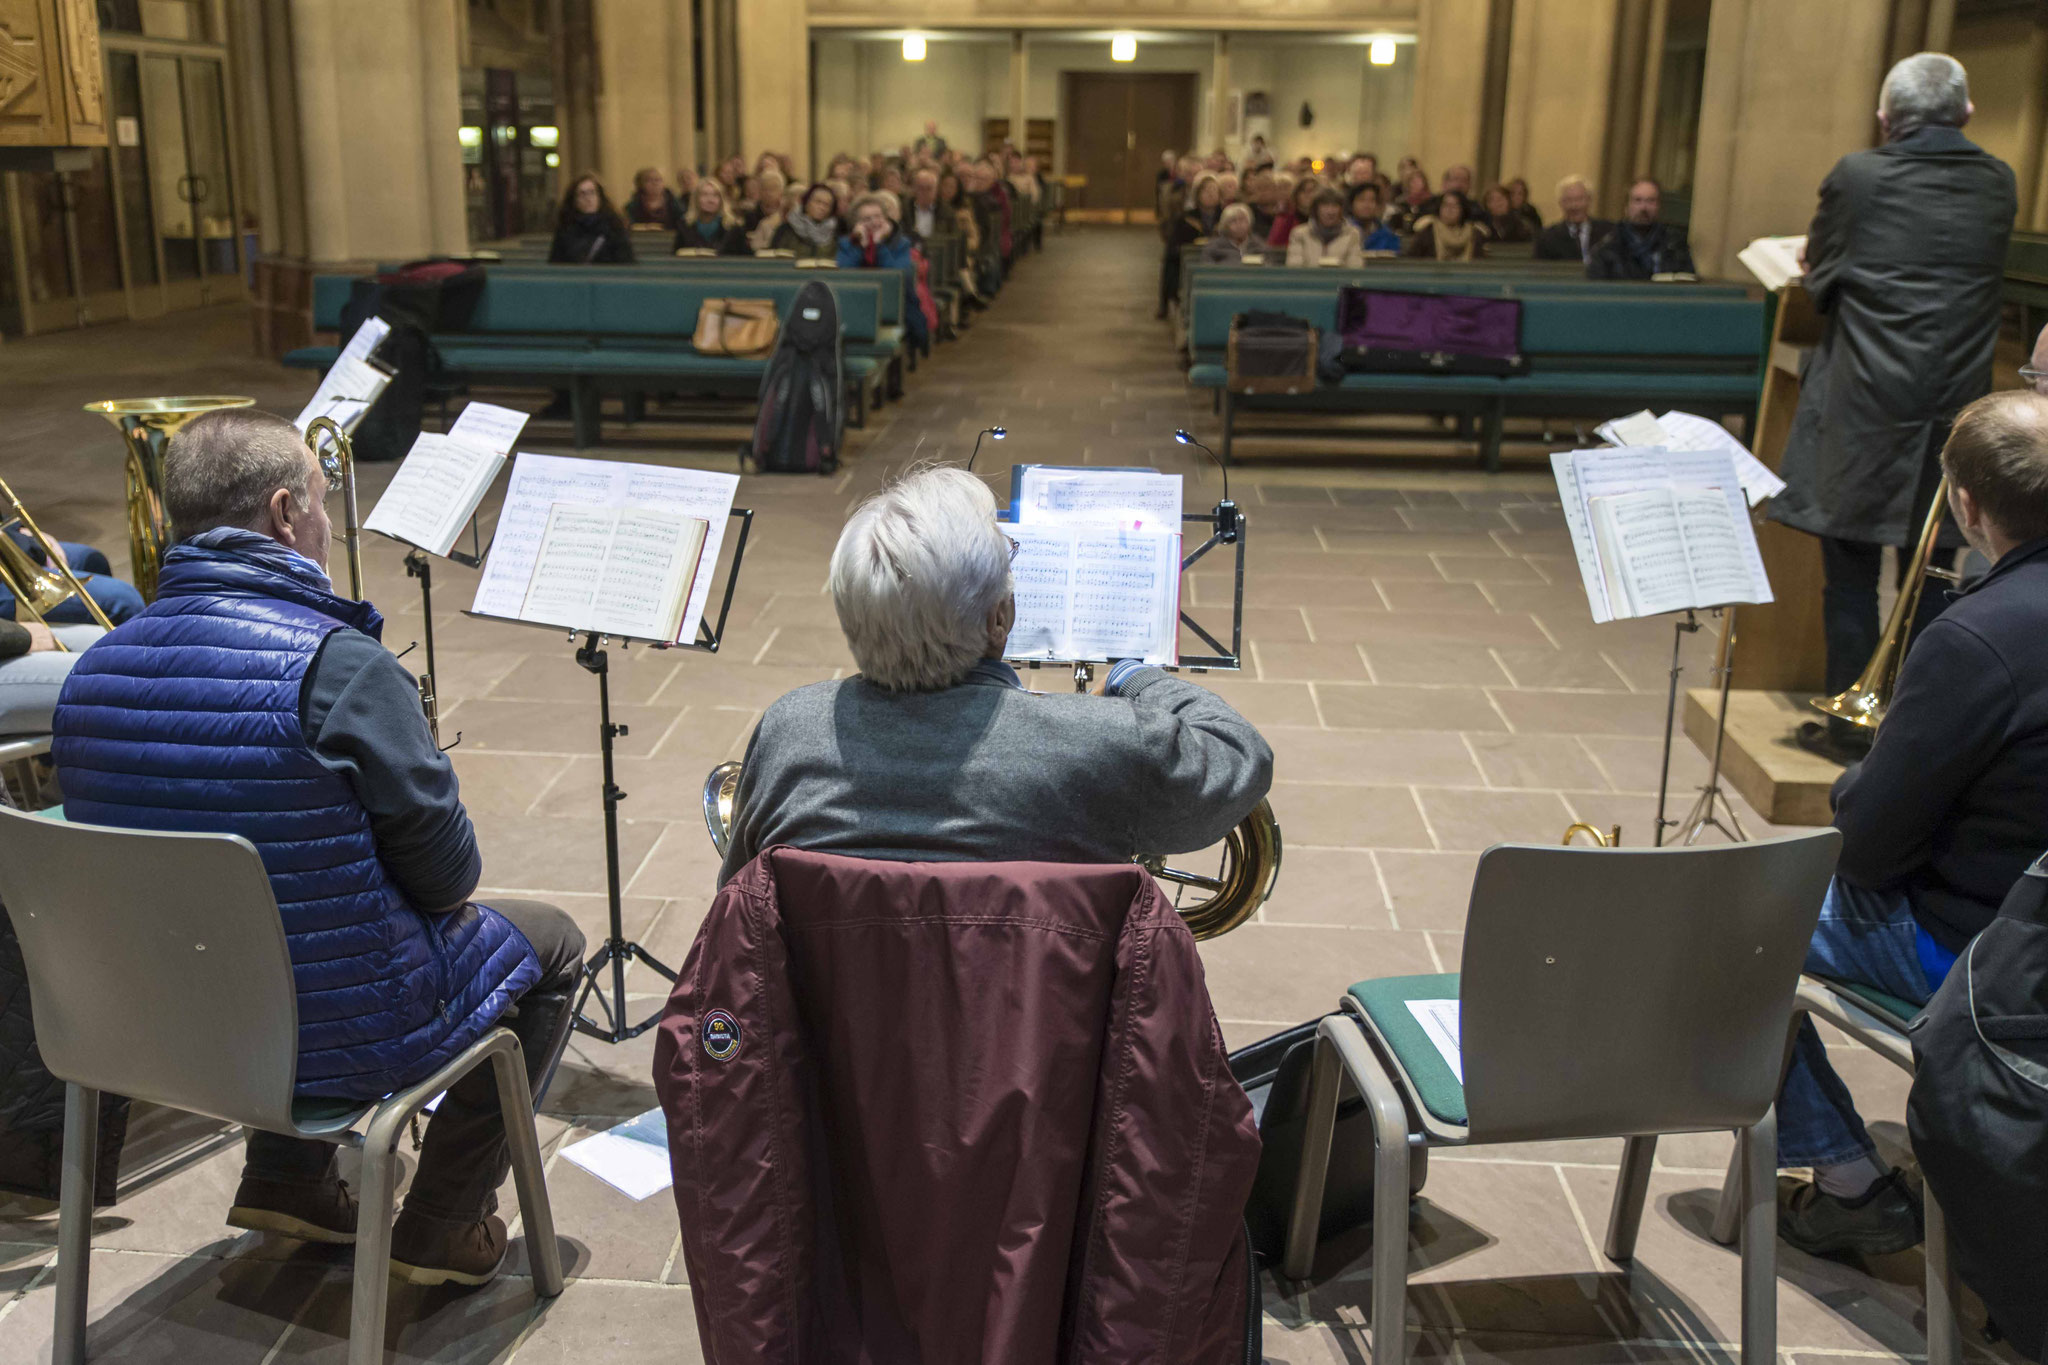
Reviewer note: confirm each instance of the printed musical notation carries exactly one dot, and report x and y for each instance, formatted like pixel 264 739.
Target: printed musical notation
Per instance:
pixel 444 477
pixel 617 571
pixel 1090 593
pixel 1659 530
pixel 540 481
pixel 1133 500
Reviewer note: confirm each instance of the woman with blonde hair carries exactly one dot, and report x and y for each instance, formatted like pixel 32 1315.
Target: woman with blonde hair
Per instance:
pixel 770 209
pixel 710 224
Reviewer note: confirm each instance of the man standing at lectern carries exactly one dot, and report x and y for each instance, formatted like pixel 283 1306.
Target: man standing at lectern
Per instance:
pixel 1904 262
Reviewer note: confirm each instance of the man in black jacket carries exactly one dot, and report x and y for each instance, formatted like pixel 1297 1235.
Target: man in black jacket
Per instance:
pixel 1576 233
pixel 1905 260
pixel 1640 246
pixel 1938 822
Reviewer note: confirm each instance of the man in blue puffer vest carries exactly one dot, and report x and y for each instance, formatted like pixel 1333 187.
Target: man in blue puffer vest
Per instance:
pixel 251 699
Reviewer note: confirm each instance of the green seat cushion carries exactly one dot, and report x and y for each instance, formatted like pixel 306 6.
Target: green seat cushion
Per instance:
pixel 1385 1002
pixel 513 359
pixel 312 357
pixel 1739 387
pixel 1208 376
pixel 1423 383
pixel 683 363
pixel 1889 1007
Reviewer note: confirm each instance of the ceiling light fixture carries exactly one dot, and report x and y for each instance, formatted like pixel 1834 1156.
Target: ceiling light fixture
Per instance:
pixel 1382 52
pixel 1123 47
pixel 913 47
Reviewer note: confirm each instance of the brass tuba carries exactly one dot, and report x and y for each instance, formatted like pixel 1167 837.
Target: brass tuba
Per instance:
pixel 1250 860
pixel 147 424
pixel 1865 702
pixel 338 463
pixel 38 588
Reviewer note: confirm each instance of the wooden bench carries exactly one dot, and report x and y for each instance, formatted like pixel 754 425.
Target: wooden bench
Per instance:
pixel 1599 349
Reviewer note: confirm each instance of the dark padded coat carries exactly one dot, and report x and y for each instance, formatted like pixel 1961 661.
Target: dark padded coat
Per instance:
pixel 1904 260
pixel 954 1112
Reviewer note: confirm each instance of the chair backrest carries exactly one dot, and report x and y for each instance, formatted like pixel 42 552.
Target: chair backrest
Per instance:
pixel 157 965
pixel 1630 991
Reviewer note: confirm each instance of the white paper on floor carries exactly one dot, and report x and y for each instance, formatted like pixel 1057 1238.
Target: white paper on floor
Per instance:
pixel 1439 1019
pixel 632 1158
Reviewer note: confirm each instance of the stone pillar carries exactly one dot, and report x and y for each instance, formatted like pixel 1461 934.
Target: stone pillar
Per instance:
pixel 1460 79
pixel 1556 115
pixel 1219 99
pixel 2030 163
pixel 1020 91
pixel 1788 91
pixel 376 85
pixel 644 111
pixel 774 78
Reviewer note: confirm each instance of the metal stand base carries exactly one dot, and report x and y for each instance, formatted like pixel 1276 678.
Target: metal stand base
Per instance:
pixel 1713 809
pixel 617 950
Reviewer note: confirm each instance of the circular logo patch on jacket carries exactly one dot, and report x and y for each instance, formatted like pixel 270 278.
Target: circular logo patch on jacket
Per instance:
pixel 721 1036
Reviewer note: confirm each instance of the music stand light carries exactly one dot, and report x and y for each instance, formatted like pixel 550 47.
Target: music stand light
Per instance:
pixel 998 431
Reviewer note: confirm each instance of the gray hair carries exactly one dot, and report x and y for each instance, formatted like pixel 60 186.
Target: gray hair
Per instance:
pixel 1233 213
pixel 223 468
pixel 917 573
pixel 1927 87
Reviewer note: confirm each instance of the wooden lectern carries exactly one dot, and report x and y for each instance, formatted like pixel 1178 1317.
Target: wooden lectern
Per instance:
pixel 1781 658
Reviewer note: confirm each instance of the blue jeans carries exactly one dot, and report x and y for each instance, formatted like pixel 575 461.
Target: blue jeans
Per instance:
pixel 1868 937
pixel 118 600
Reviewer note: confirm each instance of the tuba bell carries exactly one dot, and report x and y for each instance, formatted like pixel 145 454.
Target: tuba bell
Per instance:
pixel 147 425
pixel 38 589
pixel 1250 860
pixel 1864 704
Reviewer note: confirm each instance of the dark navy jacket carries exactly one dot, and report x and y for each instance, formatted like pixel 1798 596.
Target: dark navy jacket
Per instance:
pixel 189 718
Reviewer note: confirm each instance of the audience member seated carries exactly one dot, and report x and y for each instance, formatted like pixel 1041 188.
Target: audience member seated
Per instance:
pixel 729 174
pixel 1501 221
pixel 1574 235
pixel 954 200
pixel 1363 212
pixel 34 661
pixel 934 750
pixel 770 208
pixel 89 566
pixel 812 232
pixel 873 243
pixel 1640 246
pixel 1204 209
pixel 925 219
pixel 930 144
pixel 1409 205
pixel 1449 234
pixel 1362 169
pixel 588 230
pixel 247 678
pixel 711 225
pixel 1457 179
pixel 1226 184
pixel 686 185
pixel 1938 822
pixel 1300 209
pixel 1518 200
pixel 1233 243
pixel 1266 197
pixel 652 203
pixel 1326 239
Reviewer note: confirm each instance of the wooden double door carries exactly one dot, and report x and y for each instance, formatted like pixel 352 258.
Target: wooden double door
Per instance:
pixel 1117 125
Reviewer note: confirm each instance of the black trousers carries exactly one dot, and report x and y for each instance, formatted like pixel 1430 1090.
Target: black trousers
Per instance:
pixel 463 1158
pixel 1849 608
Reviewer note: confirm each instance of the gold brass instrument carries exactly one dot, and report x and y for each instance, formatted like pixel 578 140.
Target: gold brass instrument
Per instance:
pixel 430 707
pixel 38 588
pixel 338 463
pixel 147 425
pixel 1251 860
pixel 1611 839
pixel 1864 703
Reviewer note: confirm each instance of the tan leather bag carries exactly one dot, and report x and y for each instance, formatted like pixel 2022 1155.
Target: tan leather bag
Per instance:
pixel 736 327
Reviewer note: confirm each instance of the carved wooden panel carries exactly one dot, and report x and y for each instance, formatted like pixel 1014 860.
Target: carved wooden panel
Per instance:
pixel 1027 14
pixel 51 91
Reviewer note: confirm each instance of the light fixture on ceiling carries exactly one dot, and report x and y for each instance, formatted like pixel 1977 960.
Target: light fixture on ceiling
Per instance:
pixel 913 47
pixel 1123 47
pixel 1381 53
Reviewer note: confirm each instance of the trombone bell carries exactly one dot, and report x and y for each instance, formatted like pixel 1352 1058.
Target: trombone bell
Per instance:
pixel 1864 704
pixel 37 589
pixel 338 463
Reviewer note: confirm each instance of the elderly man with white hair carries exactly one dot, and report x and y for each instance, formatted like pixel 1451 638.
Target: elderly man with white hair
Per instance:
pixel 935 752
pixel 1905 262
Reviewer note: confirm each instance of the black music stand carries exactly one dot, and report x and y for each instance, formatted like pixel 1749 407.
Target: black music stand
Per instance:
pixel 617 950
pixel 420 564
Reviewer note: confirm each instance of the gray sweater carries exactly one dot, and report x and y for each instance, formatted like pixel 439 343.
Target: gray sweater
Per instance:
pixel 986 771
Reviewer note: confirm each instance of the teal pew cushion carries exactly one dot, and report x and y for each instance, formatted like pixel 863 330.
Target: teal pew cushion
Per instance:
pixel 1385 1002
pixel 312 357
pixel 1887 1007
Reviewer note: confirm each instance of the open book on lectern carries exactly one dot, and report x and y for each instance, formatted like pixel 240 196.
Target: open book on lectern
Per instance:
pixel 1097 568
pixel 1658 530
pixel 618 549
pixel 444 477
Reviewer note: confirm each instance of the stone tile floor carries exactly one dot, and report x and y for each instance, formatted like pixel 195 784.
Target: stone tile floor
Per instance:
pixel 1417 650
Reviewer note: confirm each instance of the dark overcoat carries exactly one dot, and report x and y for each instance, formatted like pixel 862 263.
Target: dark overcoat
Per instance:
pixel 1904 261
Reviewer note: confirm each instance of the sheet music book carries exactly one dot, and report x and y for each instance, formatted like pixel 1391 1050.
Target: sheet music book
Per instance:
pixel 1689 431
pixel 352 385
pixel 1774 260
pixel 615 570
pixel 1657 530
pixel 1095 593
pixel 540 481
pixel 1068 495
pixel 444 477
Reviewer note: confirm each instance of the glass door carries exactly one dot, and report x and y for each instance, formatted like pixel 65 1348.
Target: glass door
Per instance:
pixel 184 156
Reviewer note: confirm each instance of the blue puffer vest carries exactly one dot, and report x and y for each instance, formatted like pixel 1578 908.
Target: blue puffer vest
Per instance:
pixel 187 718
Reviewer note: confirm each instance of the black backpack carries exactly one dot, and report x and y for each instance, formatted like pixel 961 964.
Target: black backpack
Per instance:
pixel 1979 1111
pixel 801 423
pixel 392 424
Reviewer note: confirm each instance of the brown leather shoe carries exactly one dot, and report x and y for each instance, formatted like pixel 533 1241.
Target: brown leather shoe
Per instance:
pixel 426 1251
pixel 311 1213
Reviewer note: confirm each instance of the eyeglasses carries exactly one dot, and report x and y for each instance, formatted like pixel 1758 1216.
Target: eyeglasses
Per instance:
pixel 1015 546
pixel 2035 379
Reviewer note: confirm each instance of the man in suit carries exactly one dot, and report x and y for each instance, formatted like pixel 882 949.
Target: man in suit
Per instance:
pixel 1640 247
pixel 1904 261
pixel 1576 233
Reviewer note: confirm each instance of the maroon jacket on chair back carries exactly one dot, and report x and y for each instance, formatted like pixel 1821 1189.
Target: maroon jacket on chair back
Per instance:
pixel 928 1113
